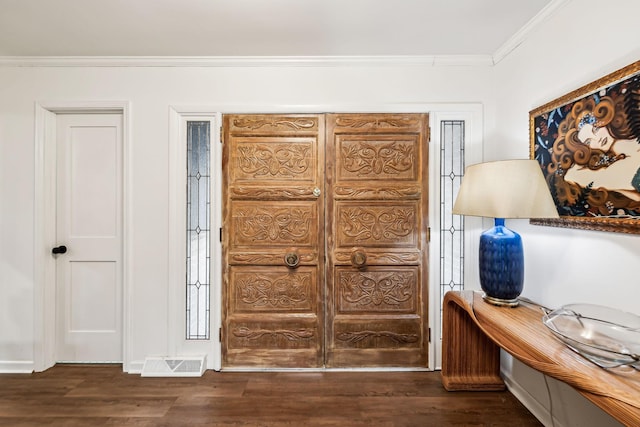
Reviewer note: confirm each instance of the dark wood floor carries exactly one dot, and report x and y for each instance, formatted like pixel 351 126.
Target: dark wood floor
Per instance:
pixel 105 396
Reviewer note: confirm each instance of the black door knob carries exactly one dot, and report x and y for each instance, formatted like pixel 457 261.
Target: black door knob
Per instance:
pixel 59 250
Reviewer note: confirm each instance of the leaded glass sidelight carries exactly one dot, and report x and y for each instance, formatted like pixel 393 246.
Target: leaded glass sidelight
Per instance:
pixel 198 230
pixel 451 226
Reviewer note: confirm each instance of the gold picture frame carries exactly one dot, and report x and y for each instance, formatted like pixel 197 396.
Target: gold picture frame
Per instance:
pixel 587 143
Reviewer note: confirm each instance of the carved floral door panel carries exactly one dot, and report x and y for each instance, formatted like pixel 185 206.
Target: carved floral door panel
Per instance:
pixel 376 307
pixel 273 245
pixel 284 305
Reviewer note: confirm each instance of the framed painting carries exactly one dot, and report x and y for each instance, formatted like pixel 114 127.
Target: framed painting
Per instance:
pixel 587 143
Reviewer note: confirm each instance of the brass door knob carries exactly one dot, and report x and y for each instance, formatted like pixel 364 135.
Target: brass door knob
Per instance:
pixel 291 259
pixel 358 259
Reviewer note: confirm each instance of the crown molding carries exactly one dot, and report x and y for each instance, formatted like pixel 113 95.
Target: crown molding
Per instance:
pixel 245 61
pixel 291 61
pixel 462 60
pixel 522 34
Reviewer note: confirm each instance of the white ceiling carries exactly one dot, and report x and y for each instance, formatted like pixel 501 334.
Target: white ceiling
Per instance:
pixel 213 28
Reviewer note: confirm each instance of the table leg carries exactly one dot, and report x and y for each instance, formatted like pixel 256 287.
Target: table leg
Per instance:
pixel 470 360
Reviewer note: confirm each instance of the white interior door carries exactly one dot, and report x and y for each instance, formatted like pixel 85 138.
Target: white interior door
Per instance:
pixel 89 226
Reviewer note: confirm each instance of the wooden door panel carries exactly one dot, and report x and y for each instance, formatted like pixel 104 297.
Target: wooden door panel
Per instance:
pixel 274 159
pixel 376 240
pixel 378 290
pixel 373 224
pixel 274 224
pixel 269 290
pixel 363 157
pixel 274 211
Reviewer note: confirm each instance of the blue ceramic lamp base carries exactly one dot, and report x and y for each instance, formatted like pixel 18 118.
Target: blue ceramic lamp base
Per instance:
pixel 501 265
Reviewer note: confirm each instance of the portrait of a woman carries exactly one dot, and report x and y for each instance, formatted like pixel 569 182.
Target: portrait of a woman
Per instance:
pixel 589 152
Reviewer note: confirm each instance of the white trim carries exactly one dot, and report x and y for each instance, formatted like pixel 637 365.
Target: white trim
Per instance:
pixel 463 60
pixel 135 367
pixel 473 118
pixel 406 107
pixel 178 345
pixel 524 32
pixel 245 61
pixel 44 238
pixel 44 223
pixel 16 366
pixel 176 225
pixel 127 240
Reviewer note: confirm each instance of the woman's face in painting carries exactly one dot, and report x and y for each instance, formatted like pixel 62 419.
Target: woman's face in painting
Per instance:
pixel 596 137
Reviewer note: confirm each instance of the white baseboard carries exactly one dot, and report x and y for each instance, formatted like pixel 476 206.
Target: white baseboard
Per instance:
pixel 28 367
pixel 16 366
pixel 135 367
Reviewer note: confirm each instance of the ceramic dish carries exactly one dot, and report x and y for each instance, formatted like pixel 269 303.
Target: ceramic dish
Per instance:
pixel 606 336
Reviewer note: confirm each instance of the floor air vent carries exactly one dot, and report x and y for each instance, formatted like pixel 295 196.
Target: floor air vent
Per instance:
pixel 191 366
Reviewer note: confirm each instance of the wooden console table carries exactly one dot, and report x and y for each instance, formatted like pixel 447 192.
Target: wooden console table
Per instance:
pixel 473 332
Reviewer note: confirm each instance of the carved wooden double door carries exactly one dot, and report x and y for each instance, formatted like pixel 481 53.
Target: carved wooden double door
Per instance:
pixel 325 240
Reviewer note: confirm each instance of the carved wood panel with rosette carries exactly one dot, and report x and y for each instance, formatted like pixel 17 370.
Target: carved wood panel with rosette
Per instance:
pixel 273 250
pixel 376 240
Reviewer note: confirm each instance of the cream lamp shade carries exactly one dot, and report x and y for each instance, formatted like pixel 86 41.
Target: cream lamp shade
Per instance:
pixel 505 189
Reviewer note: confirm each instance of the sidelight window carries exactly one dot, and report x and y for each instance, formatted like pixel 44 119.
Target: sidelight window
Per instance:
pixel 198 275
pixel 452 164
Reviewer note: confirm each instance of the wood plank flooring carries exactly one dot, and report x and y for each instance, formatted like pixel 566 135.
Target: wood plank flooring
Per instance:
pixel 102 395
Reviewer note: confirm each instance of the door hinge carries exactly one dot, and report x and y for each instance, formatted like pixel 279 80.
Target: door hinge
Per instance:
pixel 429 334
pixel 428 234
pixel 219 334
pixel 220 234
pixel 221 134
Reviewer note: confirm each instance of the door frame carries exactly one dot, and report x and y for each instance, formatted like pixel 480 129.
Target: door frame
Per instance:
pixel 473 154
pixel 176 294
pixel 473 112
pixel 45 223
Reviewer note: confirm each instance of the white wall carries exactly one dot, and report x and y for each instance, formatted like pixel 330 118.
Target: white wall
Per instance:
pixel 150 91
pixel 581 42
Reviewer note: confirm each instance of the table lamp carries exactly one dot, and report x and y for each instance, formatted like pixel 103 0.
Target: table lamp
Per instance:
pixel 503 189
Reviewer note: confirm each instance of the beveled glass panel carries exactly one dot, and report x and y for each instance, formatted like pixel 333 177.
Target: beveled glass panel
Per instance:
pixel 198 230
pixel 451 226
